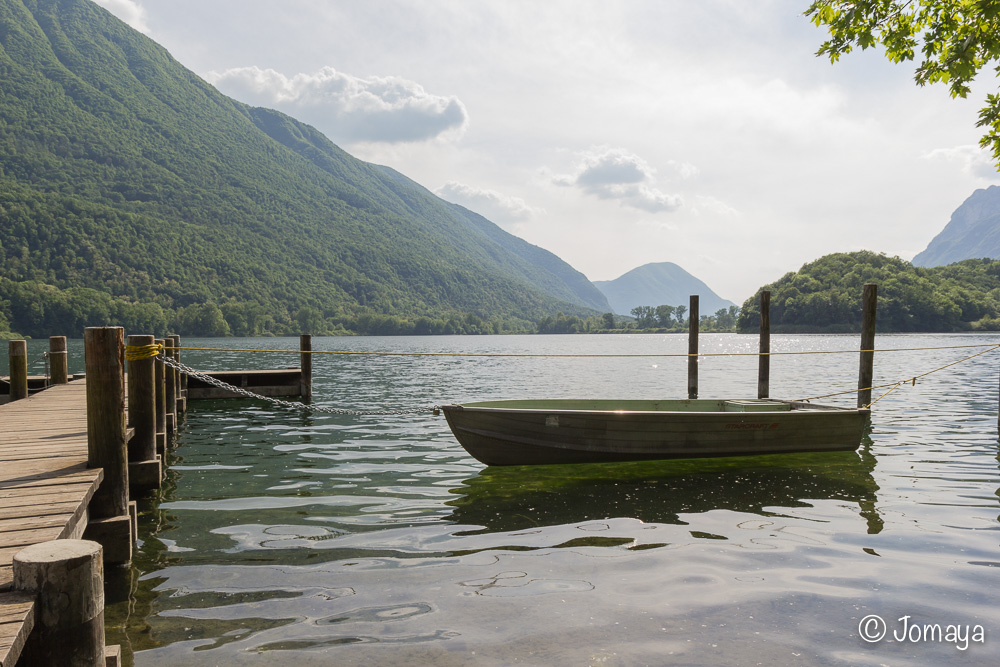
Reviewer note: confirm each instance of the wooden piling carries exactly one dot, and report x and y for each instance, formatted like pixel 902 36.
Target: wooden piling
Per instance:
pixel 866 372
pixel 143 463
pixel 18 352
pixel 306 365
pixel 161 404
pixel 169 391
pixel 67 576
pixel 764 358
pixel 110 523
pixel 693 348
pixel 104 349
pixel 180 401
pixel 58 365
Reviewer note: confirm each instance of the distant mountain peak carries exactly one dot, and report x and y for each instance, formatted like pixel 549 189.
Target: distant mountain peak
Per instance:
pixel 658 284
pixel 972 233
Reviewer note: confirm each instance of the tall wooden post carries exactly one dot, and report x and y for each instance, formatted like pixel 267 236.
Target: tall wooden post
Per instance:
pixel 144 466
pixel 106 446
pixel 764 359
pixel 67 578
pixel 110 523
pixel 170 392
pixel 180 404
pixel 18 352
pixel 693 348
pixel 306 364
pixel 57 360
pixel 161 405
pixel 866 373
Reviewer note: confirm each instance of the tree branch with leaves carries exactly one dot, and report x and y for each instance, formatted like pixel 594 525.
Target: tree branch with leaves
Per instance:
pixel 956 39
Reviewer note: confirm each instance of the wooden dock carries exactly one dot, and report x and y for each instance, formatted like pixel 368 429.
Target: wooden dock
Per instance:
pixel 56 513
pixel 45 487
pixel 279 382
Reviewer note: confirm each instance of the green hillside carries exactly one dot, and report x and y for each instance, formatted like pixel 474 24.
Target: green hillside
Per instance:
pixel 123 173
pixel 825 296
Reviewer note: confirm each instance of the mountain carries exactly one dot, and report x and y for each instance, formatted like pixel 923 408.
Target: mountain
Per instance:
pixel 123 173
pixel 973 232
pixel 659 284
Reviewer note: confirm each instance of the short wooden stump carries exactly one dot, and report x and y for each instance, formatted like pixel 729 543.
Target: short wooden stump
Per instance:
pixel 67 576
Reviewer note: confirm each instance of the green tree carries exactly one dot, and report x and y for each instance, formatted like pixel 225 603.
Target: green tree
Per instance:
pixel 645 316
pixel 956 39
pixel 310 320
pixel 202 319
pixel 665 315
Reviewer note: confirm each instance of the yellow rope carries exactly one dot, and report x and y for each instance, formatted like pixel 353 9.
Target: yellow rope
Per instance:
pixel 139 352
pixel 891 389
pixel 912 380
pixel 992 346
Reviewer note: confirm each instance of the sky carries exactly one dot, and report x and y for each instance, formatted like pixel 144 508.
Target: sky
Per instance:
pixel 613 133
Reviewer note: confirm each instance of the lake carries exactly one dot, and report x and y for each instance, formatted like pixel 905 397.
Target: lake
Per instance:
pixel 283 537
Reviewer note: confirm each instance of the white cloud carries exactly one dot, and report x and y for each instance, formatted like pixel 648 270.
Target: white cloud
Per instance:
pixel 492 205
pixel 973 160
pixel 348 108
pixel 614 173
pixel 128 11
pixel 715 206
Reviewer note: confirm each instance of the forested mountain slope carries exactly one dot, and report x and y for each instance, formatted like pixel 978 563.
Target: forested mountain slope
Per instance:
pixel 825 296
pixel 124 173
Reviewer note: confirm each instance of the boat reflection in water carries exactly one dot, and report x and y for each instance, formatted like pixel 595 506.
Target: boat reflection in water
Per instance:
pixel 516 498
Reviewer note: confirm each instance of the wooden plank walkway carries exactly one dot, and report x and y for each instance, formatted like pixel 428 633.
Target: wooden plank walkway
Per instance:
pixel 45 487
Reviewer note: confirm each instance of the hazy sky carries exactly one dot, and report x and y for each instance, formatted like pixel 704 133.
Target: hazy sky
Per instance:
pixel 612 133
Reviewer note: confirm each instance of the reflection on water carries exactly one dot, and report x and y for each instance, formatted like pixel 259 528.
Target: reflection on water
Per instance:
pixel 348 540
pixel 516 498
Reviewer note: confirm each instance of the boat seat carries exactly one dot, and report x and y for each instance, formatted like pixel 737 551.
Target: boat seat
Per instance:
pixel 756 406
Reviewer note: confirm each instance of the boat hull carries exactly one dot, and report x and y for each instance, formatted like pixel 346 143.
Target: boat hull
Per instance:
pixel 570 431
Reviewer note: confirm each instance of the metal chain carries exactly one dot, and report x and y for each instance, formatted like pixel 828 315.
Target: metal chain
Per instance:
pixel 208 379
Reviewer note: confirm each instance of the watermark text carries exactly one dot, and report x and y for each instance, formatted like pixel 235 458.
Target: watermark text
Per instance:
pixel 873 628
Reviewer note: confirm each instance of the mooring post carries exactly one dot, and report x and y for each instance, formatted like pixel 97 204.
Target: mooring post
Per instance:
pixel 764 358
pixel 67 579
pixel 169 391
pixel 180 404
pixel 18 352
pixel 159 379
pixel 144 471
pixel 183 382
pixel 110 522
pixel 306 364
pixel 693 348
pixel 866 372
pixel 58 365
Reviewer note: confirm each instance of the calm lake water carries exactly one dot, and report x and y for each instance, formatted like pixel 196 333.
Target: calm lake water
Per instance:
pixel 294 538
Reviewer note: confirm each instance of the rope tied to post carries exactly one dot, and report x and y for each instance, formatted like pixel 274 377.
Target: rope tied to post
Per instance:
pixel 140 352
pixel 240 391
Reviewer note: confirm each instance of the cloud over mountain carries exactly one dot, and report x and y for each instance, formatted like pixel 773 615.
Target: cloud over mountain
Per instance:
pixel 494 206
pixel 614 173
pixel 128 11
pixel 349 109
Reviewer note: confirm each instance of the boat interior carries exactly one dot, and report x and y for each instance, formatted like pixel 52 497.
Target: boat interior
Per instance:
pixel 610 405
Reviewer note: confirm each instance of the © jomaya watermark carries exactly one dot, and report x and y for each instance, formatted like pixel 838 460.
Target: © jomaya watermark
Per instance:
pixel 873 628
